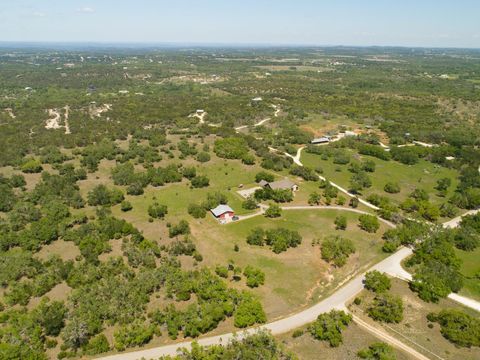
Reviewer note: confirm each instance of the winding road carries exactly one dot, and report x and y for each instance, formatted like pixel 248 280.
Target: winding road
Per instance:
pixel 337 300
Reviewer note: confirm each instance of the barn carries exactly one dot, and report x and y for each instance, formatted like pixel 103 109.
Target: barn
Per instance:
pixel 223 212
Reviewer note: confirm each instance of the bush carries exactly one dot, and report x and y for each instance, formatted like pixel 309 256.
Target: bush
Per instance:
pixel 249 312
pixel 314 198
pixel 248 159
pixel 376 281
pixel 263 175
pixel 273 211
pixel 97 345
pixel 17 181
pixel 341 222
pixel 203 157
pixel 256 237
pixel 391 188
pixel 281 239
pixel 337 249
pixel 135 189
pixel 200 181
pixel 354 202
pixel 249 204
pixel 182 228
pixel 329 327
pixel 255 277
pixel 231 148
pixel 31 166
pixel 157 211
pixel 369 223
pixel 378 351
pixel 101 195
pixel 135 334
pixel 197 211
pixel 458 327
pixel 386 308
pixel 126 206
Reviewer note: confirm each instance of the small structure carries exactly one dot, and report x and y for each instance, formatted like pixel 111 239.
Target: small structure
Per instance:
pixel 350 133
pixel 256 99
pixel 321 140
pixel 200 111
pixel 223 212
pixel 285 184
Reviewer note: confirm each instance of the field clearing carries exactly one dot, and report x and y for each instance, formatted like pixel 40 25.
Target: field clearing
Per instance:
pixel 423 175
pixel 354 339
pixel 322 124
pixel 470 268
pixel 297 277
pixel 414 326
pixel 294 68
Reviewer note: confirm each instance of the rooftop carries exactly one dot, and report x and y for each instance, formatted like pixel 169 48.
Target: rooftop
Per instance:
pixel 221 209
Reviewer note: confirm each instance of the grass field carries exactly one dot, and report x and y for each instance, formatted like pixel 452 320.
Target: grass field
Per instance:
pixel 354 339
pixel 470 268
pixel 423 175
pixel 413 330
pixel 294 279
pixel 297 277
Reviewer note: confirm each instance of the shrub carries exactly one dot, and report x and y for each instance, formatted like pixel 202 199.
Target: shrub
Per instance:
pixel 31 166
pixel 369 223
pixel 135 334
pixel 200 181
pixel 249 312
pixel 263 175
pixel 314 198
pixel 256 237
pixel 376 281
pixel 341 222
pixel 386 308
pixel 97 345
pixel 101 195
pixel 203 157
pixel 377 351
pixel 182 228
pixel 157 211
pixel 273 211
pixel 391 188
pixel 458 327
pixel 250 204
pixel 329 327
pixel 255 277
pixel 231 148
pixel 197 211
pixel 126 206
pixel 337 249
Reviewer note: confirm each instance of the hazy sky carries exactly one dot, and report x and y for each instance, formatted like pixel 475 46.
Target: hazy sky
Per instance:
pixel 449 23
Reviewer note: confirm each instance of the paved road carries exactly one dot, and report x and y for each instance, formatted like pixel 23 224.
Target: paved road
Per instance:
pixel 335 301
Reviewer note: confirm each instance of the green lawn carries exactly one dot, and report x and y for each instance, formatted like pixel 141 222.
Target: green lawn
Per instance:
pixel 423 175
pixel 470 268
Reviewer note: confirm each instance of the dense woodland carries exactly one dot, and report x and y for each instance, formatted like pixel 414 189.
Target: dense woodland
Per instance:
pixel 64 114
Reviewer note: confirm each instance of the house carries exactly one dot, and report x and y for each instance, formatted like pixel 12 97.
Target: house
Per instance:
pixel 350 133
pixel 321 140
pixel 223 212
pixel 284 184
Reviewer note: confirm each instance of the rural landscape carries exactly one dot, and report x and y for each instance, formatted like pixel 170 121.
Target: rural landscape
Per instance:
pixel 321 162
pixel 239 202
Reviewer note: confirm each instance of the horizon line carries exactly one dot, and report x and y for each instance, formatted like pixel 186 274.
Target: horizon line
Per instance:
pixel 179 44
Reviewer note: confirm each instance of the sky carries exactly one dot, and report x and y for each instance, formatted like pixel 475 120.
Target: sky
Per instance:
pixel 423 23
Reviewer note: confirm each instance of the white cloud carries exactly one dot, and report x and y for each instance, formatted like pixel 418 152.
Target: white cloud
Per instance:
pixel 86 10
pixel 39 14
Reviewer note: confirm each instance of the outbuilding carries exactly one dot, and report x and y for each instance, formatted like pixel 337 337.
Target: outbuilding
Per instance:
pixel 223 212
pixel 321 140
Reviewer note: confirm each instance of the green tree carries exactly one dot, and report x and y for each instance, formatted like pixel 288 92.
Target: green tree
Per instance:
pixel 386 308
pixel 369 223
pixel 378 351
pixel 329 327
pixel 337 249
pixel 341 222
pixel 273 211
pixel 377 281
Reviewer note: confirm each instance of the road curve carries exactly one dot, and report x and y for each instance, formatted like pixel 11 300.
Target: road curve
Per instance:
pixel 336 300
